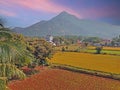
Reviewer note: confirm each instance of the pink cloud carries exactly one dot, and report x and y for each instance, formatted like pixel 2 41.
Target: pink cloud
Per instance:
pixel 7 13
pixel 40 5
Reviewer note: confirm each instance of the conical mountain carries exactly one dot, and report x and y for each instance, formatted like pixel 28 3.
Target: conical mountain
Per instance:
pixel 67 24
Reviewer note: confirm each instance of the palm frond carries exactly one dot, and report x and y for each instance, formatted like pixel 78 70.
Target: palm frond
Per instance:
pixel 9 71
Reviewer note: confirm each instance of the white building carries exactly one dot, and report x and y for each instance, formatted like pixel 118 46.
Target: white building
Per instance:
pixel 49 38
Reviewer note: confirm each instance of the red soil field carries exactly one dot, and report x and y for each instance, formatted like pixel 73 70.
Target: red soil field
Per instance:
pixel 56 79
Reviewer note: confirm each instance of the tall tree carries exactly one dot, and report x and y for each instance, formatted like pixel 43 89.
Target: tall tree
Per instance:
pixel 12 52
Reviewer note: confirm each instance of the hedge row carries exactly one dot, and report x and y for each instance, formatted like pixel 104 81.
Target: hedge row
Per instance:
pixel 87 71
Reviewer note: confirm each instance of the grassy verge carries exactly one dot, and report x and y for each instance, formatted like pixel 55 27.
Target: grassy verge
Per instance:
pixel 92 51
pixel 76 48
pixel 109 52
pixel 86 71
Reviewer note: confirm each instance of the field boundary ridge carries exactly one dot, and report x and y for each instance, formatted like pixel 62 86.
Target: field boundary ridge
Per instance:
pixel 86 71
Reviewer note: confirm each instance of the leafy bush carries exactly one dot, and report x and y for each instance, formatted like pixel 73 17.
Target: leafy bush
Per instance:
pixel 98 50
pixel 29 71
pixel 40 49
pixel 63 49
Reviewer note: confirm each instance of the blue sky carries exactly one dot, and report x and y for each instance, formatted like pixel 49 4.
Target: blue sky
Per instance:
pixel 23 13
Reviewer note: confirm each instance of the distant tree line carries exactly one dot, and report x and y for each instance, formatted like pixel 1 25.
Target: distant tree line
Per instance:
pixel 69 39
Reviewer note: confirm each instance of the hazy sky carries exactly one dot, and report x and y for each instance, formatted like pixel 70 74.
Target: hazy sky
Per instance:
pixel 26 12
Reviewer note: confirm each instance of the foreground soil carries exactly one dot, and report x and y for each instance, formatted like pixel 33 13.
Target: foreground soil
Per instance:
pixel 56 79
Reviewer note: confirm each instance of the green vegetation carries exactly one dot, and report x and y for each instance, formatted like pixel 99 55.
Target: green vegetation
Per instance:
pixel 98 50
pixel 116 39
pixel 41 50
pixel 92 39
pixel 12 52
pixel 69 39
pixel 103 51
pixel 88 49
pixel 16 51
pixel 2 83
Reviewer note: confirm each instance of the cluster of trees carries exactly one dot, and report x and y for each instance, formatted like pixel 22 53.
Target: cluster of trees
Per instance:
pixel 92 39
pixel 69 39
pixel 116 39
pixel 40 49
pixel 16 51
pixel 66 40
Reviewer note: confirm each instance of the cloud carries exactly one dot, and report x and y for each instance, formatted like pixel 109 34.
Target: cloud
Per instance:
pixel 7 13
pixel 39 5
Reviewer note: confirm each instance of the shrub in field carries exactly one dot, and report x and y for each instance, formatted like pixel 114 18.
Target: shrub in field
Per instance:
pixel 63 49
pixel 98 50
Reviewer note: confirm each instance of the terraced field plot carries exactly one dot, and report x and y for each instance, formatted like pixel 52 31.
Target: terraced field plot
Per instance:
pixel 56 79
pixel 91 49
pixel 106 63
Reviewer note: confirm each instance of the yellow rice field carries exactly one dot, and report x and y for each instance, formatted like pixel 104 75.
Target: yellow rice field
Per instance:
pixel 106 63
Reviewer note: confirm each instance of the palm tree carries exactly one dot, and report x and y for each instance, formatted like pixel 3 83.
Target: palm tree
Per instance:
pixel 12 51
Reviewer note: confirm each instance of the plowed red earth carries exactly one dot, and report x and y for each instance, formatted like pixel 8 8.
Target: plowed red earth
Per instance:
pixel 56 79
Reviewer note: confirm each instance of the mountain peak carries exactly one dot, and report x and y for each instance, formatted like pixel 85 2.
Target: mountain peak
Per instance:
pixel 64 13
pixel 67 24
